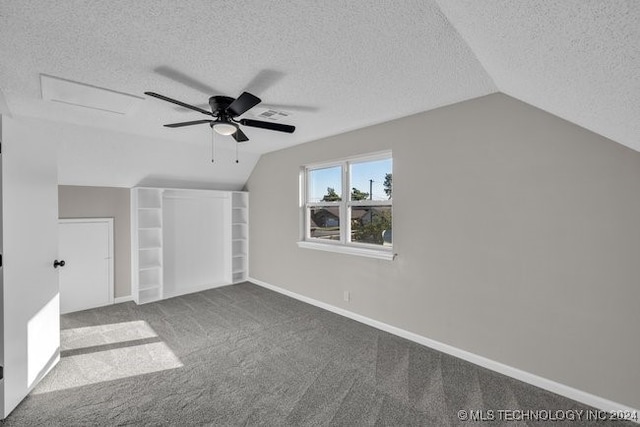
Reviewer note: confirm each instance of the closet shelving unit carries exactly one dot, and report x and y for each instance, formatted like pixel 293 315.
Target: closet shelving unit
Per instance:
pixel 239 236
pixel 162 218
pixel 147 244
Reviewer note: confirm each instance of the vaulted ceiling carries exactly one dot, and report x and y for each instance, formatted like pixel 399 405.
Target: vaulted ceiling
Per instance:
pixel 334 65
pixel 577 59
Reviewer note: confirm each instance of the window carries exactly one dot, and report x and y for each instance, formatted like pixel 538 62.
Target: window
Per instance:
pixel 347 206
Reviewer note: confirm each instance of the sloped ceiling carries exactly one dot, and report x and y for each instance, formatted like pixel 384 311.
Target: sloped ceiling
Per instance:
pixel 335 65
pixel 577 59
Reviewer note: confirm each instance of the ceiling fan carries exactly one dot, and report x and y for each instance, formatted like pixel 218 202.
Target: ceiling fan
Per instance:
pixel 224 111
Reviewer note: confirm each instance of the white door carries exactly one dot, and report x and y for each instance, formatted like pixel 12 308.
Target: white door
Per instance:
pixel 86 247
pixel 30 341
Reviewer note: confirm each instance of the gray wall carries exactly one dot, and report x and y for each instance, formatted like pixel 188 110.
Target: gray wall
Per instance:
pixel 517 233
pixel 97 202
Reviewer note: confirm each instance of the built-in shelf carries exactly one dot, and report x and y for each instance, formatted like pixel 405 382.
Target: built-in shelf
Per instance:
pixel 151 207
pixel 149 267
pixel 149 295
pixel 239 236
pixel 150 218
pixel 240 202
pixel 146 221
pixel 148 198
pixel 239 215
pixel 151 278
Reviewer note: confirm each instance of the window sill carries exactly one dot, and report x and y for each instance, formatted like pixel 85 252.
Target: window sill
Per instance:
pixel 350 250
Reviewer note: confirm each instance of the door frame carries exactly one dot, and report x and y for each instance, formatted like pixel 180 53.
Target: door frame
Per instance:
pixel 109 222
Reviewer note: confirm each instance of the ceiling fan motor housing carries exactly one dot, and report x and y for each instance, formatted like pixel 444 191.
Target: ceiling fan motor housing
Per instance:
pixel 220 103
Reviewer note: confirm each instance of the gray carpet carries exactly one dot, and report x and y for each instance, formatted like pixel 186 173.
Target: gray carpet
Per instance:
pixel 243 355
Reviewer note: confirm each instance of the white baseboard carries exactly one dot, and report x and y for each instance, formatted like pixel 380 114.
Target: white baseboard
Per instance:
pixel 529 378
pixel 118 300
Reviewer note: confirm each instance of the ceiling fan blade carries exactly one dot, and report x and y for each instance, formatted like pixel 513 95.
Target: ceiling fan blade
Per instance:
pixel 244 103
pixel 203 106
pixel 239 136
pixel 181 124
pixel 264 80
pixel 268 125
pixel 182 104
pixel 182 78
pixel 301 108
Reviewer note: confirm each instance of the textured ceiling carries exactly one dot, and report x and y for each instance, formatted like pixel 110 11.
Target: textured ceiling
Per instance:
pixel 336 65
pixel 577 59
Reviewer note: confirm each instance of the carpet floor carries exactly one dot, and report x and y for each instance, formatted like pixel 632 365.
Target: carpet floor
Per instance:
pixel 244 355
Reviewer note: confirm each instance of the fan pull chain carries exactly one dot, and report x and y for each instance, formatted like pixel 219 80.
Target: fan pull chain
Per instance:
pixel 212 144
pixel 237 152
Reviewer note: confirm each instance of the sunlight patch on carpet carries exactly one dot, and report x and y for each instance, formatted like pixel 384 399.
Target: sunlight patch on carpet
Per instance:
pixel 96 354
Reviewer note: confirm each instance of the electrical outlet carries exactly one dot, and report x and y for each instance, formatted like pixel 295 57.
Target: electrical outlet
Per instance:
pixel 346 296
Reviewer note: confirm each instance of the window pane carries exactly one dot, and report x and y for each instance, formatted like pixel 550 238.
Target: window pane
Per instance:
pixel 371 224
pixel 325 185
pixel 371 180
pixel 324 223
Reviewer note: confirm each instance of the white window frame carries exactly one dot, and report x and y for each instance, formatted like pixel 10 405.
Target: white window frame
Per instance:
pixel 344 245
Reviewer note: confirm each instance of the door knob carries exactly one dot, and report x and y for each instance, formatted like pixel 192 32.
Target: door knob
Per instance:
pixel 57 263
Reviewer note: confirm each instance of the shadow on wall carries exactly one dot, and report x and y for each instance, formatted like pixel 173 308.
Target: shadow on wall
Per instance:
pixel 174 182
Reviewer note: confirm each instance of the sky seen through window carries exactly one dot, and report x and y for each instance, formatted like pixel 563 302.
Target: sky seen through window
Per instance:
pixel 361 173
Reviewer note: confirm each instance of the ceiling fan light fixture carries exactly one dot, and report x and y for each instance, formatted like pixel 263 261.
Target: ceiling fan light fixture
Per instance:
pixel 224 128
